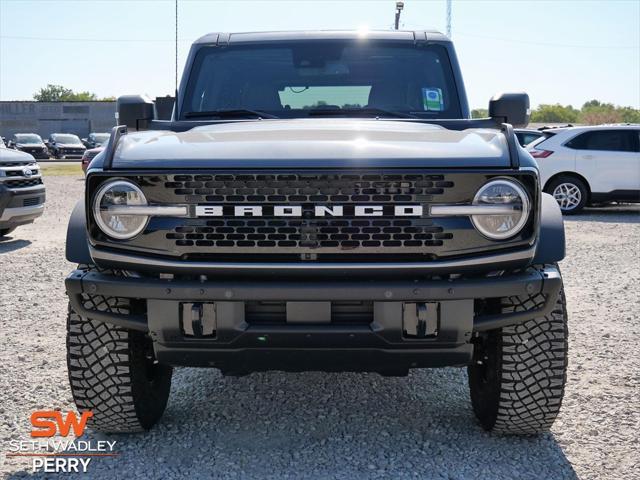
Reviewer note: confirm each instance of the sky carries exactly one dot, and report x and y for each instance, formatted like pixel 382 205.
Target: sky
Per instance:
pixel 558 51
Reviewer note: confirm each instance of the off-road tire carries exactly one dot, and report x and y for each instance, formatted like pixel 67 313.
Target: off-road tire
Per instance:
pixel 112 371
pixel 5 231
pixel 518 373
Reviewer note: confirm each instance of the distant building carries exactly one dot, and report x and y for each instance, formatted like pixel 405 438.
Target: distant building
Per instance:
pixel 45 118
pixel 80 118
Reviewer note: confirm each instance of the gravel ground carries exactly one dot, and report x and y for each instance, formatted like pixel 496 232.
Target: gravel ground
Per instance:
pixel 346 426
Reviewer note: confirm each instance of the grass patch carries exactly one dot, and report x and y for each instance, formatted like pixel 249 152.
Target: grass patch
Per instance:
pixel 53 170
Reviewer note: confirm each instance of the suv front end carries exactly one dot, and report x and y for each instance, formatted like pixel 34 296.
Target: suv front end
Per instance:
pixel 251 240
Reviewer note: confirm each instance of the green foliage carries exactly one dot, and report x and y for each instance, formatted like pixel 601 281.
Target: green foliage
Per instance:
pixel 479 113
pixel 58 93
pixel 554 114
pixel 592 112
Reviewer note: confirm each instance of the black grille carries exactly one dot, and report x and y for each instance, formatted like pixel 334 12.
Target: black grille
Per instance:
pixel 308 237
pixel 31 182
pixel 342 234
pixel 30 202
pixel 18 173
pixel 294 188
pixel 345 233
pixel 16 164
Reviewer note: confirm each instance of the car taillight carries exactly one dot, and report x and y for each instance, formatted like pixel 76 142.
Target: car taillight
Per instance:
pixel 540 153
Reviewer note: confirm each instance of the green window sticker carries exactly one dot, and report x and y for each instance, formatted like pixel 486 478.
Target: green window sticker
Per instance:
pixel 432 99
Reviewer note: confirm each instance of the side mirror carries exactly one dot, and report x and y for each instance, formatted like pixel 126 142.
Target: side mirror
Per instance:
pixel 510 108
pixel 135 111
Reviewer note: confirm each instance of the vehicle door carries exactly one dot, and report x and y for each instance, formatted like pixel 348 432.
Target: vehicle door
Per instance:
pixel 609 159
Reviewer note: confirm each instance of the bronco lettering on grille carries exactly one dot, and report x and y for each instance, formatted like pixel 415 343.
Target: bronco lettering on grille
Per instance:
pixel 313 211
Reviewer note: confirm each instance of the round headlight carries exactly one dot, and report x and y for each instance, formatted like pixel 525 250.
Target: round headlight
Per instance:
pixel 504 193
pixel 116 224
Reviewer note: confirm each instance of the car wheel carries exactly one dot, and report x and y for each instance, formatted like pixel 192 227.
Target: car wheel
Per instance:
pixel 6 231
pixel 570 192
pixel 113 372
pixel 518 374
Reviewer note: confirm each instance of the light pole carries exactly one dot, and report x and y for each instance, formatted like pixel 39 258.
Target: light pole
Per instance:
pixel 399 7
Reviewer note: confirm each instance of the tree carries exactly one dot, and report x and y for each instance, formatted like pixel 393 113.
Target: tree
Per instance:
pixel 58 93
pixel 593 112
pixel 479 113
pixel 555 114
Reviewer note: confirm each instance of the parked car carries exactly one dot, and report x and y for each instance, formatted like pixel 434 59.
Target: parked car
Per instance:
pixel 22 193
pixel 65 145
pixel 525 136
pixel 96 140
pixel 29 143
pixel 336 239
pixel 582 166
pixel 89 155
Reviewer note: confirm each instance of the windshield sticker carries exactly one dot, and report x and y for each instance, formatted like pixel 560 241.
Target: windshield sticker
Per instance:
pixel 432 100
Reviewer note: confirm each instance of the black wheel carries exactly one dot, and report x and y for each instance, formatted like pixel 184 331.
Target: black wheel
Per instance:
pixel 6 231
pixel 570 192
pixel 113 371
pixel 518 373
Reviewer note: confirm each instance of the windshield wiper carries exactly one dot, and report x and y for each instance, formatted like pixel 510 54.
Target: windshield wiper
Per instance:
pixel 240 112
pixel 379 112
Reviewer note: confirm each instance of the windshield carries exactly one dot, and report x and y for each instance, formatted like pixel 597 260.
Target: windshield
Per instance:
pixel 306 78
pixel 101 137
pixel 67 139
pixel 28 138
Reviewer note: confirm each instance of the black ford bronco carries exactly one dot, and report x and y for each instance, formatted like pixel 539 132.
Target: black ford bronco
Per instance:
pixel 318 201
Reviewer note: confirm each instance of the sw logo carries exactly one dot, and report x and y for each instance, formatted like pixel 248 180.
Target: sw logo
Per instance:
pixel 50 422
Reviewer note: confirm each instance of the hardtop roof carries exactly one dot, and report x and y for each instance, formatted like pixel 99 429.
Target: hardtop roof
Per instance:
pixel 279 36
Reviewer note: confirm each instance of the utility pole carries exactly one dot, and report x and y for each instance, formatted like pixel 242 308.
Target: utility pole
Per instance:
pixel 399 7
pixel 449 18
pixel 176 46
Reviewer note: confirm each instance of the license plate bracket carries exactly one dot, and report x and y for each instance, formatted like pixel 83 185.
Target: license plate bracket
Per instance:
pixel 308 312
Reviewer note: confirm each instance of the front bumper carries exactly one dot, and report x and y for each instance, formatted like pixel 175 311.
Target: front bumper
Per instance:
pixel 18 207
pixel 36 153
pixel 381 344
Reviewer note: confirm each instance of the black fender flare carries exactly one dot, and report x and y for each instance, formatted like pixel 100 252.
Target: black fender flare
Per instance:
pixel 551 243
pixel 77 247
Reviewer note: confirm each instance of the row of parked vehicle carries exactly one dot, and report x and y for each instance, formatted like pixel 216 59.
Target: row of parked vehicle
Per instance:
pixel 58 145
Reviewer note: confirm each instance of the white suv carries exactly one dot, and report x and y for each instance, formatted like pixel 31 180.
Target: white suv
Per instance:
pixel 588 165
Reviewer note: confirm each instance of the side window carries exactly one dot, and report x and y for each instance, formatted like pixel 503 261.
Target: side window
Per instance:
pixel 605 140
pixel 635 140
pixel 530 137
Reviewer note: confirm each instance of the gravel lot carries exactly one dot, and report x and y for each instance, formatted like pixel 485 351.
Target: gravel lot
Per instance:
pixel 346 426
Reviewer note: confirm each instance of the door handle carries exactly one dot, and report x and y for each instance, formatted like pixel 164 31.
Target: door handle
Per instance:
pixel 587 157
